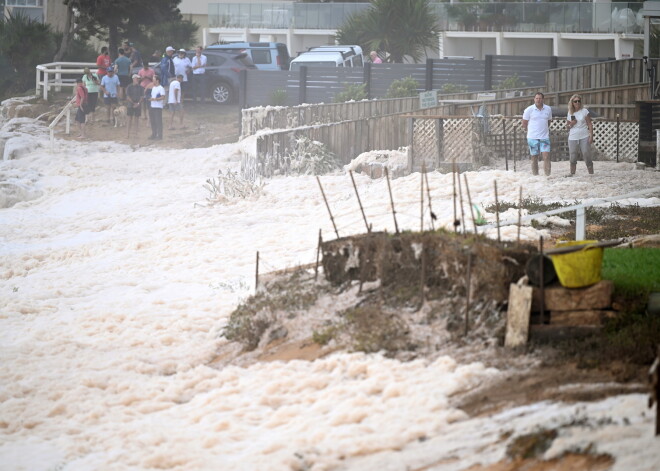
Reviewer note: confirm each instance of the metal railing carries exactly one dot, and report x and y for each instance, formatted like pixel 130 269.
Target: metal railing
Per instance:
pixel 565 17
pixel 580 212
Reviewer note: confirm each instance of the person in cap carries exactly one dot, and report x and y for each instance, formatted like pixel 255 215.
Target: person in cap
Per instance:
pixel 81 102
pixel 167 67
pixel 134 97
pixel 109 87
pixel 182 66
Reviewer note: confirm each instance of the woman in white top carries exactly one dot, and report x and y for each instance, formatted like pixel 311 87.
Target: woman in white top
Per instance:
pixel 580 134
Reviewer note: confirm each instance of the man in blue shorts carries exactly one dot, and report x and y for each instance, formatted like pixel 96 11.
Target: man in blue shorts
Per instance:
pixel 536 121
pixel 109 87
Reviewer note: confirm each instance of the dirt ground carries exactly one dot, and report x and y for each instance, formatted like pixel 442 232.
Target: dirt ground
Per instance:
pixel 204 125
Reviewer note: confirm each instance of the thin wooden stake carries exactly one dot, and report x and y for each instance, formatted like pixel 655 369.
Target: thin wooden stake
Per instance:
pixel 497 213
pixel 256 275
pixel 467 189
pixel 389 189
pixel 428 196
pixel 422 278
pixel 460 199
pixel 328 207
pixel 519 213
pixel 453 180
pixel 421 200
pixel 467 302
pixel 515 146
pixel 541 282
pixel 350 172
pixel 506 148
pixel 318 254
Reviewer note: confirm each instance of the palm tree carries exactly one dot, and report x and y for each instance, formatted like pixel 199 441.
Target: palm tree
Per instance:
pixel 402 28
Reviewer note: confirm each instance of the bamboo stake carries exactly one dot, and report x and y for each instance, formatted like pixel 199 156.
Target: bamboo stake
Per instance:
pixel 541 282
pixel 256 275
pixel 389 189
pixel 467 189
pixel 460 199
pixel 453 180
pixel 328 207
pixel 428 196
pixel 350 172
pixel 497 213
pixel 421 200
pixel 519 213
pixel 467 302
pixel 422 279
pixel 318 253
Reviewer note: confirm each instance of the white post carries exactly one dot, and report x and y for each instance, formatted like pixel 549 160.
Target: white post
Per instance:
pixel 46 84
pixel 580 223
pixel 58 80
pixel 37 81
pixel 68 120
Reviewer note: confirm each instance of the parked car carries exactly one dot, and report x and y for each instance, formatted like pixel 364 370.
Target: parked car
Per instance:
pixel 222 73
pixel 329 56
pixel 265 55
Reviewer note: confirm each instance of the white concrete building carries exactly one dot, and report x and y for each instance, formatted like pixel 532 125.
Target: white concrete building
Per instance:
pixel 588 29
pixel 52 12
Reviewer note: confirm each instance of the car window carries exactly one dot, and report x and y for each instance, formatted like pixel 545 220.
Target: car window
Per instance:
pixel 215 61
pixel 261 56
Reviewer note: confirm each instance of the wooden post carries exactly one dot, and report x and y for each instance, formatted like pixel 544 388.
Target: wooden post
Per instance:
pixel 515 146
pixel 654 379
pixel 453 181
pixel 256 274
pixel 422 278
pixel 389 189
pixel 421 199
pixel 318 253
pixel 359 202
pixel 497 213
pixel 460 199
pixel 467 189
pixel 328 207
pixel 618 123
pixel 541 282
pixel 506 148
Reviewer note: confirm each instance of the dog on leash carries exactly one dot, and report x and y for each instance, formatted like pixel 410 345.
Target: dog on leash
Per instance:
pixel 121 116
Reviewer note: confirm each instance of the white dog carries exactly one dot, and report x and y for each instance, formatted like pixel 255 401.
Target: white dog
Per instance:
pixel 121 116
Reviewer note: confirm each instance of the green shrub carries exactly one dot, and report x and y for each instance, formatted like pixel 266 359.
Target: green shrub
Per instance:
pixel 352 91
pixel 312 158
pixel 510 82
pixel 454 88
pixel 403 88
pixel 279 97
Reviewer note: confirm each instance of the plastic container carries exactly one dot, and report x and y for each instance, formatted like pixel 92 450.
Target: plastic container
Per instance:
pixel 580 268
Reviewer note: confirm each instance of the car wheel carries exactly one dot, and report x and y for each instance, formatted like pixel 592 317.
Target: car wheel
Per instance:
pixel 222 93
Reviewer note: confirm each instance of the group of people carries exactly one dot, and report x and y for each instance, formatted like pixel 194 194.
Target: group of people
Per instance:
pixel 536 122
pixel 144 92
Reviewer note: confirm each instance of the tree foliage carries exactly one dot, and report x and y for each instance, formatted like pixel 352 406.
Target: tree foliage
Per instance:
pixel 402 28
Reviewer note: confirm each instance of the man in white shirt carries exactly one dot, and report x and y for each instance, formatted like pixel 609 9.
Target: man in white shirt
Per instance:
pixel 175 101
pixel 199 75
pixel 536 121
pixel 157 101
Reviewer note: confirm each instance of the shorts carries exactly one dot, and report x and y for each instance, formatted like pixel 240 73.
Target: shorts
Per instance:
pixel 536 145
pixel 175 107
pixel 110 100
pixel 92 99
pixel 80 116
pixel 134 111
pixel 124 81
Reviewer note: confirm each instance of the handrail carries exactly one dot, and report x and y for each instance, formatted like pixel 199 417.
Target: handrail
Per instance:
pixel 66 110
pixel 580 216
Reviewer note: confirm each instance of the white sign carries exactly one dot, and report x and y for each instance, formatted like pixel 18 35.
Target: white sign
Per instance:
pixel 428 99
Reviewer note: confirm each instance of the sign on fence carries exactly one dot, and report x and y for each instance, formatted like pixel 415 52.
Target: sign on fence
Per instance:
pixel 428 99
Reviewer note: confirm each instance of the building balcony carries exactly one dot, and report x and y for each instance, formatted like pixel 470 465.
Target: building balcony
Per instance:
pixel 552 17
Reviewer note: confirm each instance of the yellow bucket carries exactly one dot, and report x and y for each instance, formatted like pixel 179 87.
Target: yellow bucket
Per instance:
pixel 579 268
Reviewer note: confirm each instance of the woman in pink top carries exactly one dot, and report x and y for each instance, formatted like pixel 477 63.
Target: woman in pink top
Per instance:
pixel 147 82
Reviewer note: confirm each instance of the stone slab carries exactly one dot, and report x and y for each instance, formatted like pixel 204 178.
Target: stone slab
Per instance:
pixel 517 315
pixel 558 298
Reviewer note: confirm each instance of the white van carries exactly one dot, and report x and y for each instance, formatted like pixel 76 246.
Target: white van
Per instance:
pixel 329 56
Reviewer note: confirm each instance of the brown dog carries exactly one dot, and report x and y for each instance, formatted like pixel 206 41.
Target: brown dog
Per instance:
pixel 121 116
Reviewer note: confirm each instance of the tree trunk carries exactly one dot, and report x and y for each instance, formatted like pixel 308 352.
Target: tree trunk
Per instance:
pixel 66 36
pixel 113 41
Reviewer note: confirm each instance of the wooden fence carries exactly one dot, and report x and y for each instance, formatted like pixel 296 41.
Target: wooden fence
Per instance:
pixel 599 75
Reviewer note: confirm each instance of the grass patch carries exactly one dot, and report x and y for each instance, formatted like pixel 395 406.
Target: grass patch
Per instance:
pixel 635 272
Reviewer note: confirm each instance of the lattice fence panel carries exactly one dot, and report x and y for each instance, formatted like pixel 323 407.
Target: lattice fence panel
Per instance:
pixel 460 135
pixel 425 143
pixel 605 140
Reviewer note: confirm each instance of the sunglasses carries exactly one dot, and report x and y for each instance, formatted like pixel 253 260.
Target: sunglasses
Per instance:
pixel 577 101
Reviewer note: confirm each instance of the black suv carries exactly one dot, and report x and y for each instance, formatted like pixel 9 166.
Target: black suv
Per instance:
pixel 222 73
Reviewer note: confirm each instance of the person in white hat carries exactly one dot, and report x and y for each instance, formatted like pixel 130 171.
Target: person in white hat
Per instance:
pixel 167 67
pixel 182 66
